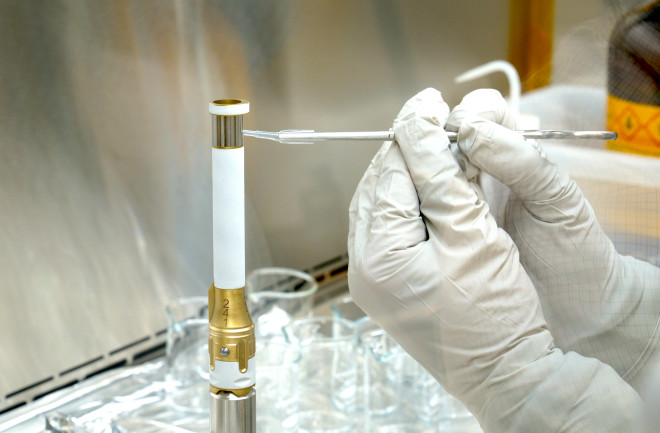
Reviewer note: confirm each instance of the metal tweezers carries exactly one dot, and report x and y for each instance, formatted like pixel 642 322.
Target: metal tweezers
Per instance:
pixel 301 136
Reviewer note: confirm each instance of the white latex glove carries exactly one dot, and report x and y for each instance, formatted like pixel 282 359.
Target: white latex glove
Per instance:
pixel 596 302
pixel 428 263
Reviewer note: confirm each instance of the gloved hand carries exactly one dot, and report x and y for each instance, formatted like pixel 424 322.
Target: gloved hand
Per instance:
pixel 596 302
pixel 428 263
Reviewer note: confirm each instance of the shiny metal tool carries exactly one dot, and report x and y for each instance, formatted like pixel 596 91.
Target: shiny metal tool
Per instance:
pixel 231 330
pixel 303 136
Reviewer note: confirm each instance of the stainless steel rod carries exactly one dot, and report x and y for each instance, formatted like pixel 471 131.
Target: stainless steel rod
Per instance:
pixel 309 136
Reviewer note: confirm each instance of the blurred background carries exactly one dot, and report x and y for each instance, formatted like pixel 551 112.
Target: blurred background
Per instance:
pixel 105 192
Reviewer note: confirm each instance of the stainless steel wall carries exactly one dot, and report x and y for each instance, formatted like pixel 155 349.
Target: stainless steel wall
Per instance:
pixel 104 149
pixel 350 65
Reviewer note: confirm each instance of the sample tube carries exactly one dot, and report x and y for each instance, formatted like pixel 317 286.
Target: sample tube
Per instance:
pixel 231 330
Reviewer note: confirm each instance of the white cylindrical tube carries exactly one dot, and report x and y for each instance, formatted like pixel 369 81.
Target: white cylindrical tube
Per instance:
pixel 228 218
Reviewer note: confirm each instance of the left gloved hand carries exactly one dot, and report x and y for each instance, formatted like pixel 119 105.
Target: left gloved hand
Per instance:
pixel 597 302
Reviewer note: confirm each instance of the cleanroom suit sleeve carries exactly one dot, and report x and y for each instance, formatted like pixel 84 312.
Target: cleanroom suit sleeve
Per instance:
pixel 428 263
pixel 596 302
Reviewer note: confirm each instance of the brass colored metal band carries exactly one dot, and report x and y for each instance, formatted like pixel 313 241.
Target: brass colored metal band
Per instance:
pixel 231 330
pixel 241 392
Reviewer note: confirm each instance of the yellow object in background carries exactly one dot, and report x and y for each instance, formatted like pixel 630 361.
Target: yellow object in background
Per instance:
pixel 633 105
pixel 530 41
pixel 638 126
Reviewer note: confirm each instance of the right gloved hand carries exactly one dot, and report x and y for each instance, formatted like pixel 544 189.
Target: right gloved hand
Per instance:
pixel 428 264
pixel 596 302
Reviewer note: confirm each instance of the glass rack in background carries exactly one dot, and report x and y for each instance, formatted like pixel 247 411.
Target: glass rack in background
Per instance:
pixel 315 374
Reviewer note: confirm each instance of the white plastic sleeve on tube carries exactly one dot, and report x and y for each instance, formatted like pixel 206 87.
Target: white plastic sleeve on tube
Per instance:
pixel 226 375
pixel 228 218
